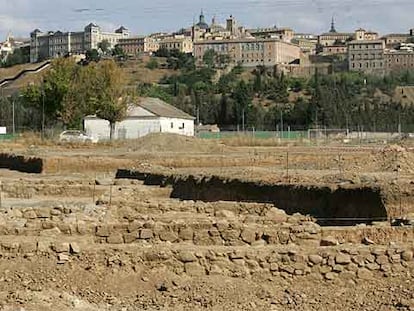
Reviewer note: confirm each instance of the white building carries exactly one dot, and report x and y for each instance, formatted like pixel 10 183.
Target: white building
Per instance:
pixel 148 115
pixel 57 44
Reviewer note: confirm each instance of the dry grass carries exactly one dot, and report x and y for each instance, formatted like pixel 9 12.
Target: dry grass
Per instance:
pixel 138 73
pixel 249 141
pixel 13 71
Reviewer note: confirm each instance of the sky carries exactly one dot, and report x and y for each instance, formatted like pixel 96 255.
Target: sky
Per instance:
pixel 144 17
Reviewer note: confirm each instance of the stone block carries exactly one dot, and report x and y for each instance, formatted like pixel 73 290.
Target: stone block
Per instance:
pixel 248 235
pixel 186 234
pixel 146 234
pixel 103 231
pixel 372 266
pixel 186 257
pixel 130 237
pixel 194 269
pixel 315 259
pixel 115 238
pixel 343 259
pixel 74 248
pixel 364 274
pixel 168 236
pixel 61 247
pixel 30 214
pixel 28 247
pixel 407 255
pixel 329 241
pixel 43 246
pixel 382 260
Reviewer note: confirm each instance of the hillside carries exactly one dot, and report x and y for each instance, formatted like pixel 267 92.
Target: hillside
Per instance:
pixel 139 73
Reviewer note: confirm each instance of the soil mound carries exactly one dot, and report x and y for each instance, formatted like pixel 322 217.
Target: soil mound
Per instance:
pixel 395 158
pixel 163 142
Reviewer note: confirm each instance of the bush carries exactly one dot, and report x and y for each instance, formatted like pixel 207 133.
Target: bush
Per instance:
pixel 152 64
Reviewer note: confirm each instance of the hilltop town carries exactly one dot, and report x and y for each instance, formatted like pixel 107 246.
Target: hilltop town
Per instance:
pixel 292 52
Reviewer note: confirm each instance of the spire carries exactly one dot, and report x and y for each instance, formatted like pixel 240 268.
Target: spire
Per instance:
pixel 202 18
pixel 332 25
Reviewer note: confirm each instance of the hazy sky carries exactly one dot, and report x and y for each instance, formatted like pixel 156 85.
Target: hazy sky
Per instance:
pixel 142 17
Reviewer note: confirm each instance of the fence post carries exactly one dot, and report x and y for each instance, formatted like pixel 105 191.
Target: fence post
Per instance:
pixel 287 167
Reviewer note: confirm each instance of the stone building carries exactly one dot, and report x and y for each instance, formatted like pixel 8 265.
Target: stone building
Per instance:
pixel 395 39
pixel 180 43
pixel 58 44
pixel 283 34
pixel 367 56
pixel 333 37
pixel 139 45
pixel 399 60
pixel 215 31
pixel 250 52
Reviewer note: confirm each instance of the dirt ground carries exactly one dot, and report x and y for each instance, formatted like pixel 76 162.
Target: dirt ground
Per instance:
pixel 75 238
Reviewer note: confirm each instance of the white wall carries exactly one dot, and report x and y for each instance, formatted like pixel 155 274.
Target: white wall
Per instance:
pixel 98 128
pixel 132 128
pixel 172 125
pixel 135 128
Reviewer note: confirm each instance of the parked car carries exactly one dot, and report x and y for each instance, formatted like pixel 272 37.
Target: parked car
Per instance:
pixel 73 136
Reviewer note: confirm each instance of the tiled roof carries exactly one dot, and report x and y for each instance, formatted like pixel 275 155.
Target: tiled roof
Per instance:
pixel 162 109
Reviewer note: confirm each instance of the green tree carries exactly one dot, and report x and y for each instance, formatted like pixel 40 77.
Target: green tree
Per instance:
pixel 104 46
pixel 209 58
pixel 152 64
pixel 48 96
pixel 93 55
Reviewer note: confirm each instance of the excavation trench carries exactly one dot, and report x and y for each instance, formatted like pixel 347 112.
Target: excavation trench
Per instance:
pixel 21 163
pixel 330 205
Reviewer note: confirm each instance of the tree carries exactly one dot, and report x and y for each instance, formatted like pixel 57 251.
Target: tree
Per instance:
pixel 112 99
pixel 93 55
pixel 118 52
pixel 209 58
pixel 104 46
pixel 152 64
pixel 48 96
pixel 19 56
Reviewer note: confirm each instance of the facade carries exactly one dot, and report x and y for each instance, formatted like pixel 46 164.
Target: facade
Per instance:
pixel 139 45
pixel 181 43
pixel 58 44
pixel 367 56
pixel 399 60
pixel 148 115
pixel 283 34
pixel 231 30
pixel 307 46
pixel 363 35
pixel 250 52
pixel 393 40
pixel 334 50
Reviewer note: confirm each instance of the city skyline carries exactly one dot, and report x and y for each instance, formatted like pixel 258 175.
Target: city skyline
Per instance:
pixel 313 16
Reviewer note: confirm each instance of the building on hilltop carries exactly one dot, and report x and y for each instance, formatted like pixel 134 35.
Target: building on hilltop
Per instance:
pixel 284 34
pixel 250 52
pixel 134 46
pixel 367 56
pixel 395 39
pixel 180 43
pixel 58 44
pixel 215 31
pixel 401 58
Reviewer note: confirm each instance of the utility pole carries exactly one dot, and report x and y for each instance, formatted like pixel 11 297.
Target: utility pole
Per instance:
pixel 281 123
pixel 243 120
pixel 14 124
pixel 43 113
pixel 399 124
